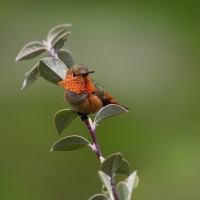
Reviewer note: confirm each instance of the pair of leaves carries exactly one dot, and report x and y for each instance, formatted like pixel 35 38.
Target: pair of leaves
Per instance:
pixel 124 188
pixel 64 117
pixel 51 69
pixel 115 163
pixel 55 40
pixel 57 33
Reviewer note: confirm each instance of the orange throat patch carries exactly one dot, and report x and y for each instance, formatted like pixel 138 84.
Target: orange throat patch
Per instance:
pixel 81 85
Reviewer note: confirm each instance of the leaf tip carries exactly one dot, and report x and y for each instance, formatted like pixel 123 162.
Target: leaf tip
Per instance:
pixel 51 149
pixel 24 85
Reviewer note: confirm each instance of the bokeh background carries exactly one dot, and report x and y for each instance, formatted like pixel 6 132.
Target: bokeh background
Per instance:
pixel 147 54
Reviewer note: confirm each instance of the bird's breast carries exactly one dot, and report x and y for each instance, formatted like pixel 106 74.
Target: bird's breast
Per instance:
pixel 84 103
pixel 75 98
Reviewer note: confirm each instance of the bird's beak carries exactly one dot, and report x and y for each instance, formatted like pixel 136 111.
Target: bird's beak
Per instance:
pixel 87 73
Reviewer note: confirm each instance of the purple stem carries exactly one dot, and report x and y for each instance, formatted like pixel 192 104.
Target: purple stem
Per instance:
pixel 114 189
pixel 98 153
pixel 94 139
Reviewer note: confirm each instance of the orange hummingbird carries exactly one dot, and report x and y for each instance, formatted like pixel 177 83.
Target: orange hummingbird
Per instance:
pixel 83 94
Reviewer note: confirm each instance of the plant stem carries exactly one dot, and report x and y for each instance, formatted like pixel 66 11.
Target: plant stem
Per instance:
pixel 97 149
pixel 114 192
pixel 94 139
pixel 114 189
pixel 92 133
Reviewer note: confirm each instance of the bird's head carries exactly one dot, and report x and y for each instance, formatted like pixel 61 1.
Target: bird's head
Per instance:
pixel 76 78
pixel 78 71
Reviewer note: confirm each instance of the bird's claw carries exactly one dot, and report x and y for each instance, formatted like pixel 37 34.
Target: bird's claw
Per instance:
pixel 83 116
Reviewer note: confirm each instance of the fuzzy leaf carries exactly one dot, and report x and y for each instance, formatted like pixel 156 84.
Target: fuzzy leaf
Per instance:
pixel 106 180
pixel 67 57
pixel 55 32
pixel 64 118
pixel 99 197
pixel 31 76
pixel 124 167
pixel 52 69
pixel 111 164
pixel 60 41
pixel 30 50
pixel 122 191
pixel 132 182
pixel 108 111
pixel 70 143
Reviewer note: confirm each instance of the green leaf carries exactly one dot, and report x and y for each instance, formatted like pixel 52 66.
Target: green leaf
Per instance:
pixel 70 143
pixel 132 182
pixel 60 41
pixel 64 118
pixel 31 76
pixel 30 50
pixel 67 57
pixel 122 191
pixel 124 167
pixel 108 111
pixel 55 32
pixel 111 164
pixel 52 69
pixel 99 197
pixel 106 180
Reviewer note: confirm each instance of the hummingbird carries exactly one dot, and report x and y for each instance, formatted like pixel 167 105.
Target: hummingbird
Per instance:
pixel 84 94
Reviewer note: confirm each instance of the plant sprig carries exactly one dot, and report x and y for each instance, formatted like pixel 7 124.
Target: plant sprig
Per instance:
pixel 53 69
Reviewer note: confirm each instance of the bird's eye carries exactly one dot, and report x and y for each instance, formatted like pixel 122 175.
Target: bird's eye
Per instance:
pixel 73 74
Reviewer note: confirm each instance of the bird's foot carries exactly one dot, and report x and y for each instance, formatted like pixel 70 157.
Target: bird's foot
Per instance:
pixel 83 116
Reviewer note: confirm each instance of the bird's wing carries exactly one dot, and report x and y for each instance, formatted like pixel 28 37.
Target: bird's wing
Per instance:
pixel 100 92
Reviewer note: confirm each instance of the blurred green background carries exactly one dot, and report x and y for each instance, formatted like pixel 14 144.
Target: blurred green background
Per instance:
pixel 147 54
